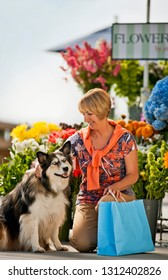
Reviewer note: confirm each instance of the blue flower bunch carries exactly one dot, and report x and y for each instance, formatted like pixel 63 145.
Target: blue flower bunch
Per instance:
pixel 156 107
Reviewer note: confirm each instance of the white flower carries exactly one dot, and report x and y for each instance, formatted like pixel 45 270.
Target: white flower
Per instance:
pixel 157 136
pixel 43 148
pixel 21 147
pixel 144 149
pixel 60 141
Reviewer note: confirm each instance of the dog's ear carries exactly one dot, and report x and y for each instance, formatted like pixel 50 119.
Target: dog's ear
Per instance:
pixel 42 157
pixel 66 148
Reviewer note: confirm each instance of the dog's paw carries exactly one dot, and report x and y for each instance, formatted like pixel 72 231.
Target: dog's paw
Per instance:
pixel 39 250
pixel 62 248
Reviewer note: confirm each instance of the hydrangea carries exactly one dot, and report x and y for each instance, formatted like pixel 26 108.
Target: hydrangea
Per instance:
pixel 156 107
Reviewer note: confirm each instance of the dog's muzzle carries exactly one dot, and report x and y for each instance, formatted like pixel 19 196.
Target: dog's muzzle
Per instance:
pixel 64 175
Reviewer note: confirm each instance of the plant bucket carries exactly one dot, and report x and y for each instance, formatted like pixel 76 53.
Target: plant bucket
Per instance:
pixel 151 208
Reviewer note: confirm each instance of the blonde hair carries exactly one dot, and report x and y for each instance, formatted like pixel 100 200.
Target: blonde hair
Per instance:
pixel 97 101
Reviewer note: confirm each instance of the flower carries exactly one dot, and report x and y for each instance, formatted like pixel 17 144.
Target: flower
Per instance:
pixel 92 67
pixel 153 171
pixel 26 141
pixel 140 129
pixel 152 160
pixel 156 107
pixel 38 129
pixel 63 134
pixel 75 180
pixel 166 160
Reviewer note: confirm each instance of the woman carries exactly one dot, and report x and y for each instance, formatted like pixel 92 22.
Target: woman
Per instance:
pixel 107 156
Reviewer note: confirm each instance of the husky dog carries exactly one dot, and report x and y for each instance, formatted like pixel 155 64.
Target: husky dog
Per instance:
pixel 32 213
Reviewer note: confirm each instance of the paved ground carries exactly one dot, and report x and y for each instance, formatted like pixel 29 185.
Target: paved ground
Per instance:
pixel 160 253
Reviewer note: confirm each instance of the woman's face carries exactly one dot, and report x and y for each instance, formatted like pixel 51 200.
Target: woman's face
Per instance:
pixel 92 120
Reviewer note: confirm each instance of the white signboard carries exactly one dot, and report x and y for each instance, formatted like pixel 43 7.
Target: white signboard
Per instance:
pixel 148 41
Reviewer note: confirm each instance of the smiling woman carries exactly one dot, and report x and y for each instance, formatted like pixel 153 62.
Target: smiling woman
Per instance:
pixel 104 152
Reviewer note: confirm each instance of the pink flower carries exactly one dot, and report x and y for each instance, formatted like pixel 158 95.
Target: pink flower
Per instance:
pixel 116 70
pixel 72 62
pixel 90 66
pixel 101 80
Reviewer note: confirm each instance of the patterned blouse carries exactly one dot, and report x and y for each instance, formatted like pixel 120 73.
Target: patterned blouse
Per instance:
pixel 112 167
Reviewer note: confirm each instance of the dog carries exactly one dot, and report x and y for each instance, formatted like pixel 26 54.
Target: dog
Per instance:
pixel 32 213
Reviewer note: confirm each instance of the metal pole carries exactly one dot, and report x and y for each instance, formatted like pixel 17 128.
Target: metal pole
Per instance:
pixel 148 11
pixel 146 72
pixel 145 91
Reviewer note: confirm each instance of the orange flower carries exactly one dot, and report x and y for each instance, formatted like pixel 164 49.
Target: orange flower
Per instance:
pixel 121 122
pixel 165 160
pixel 138 132
pixel 147 131
pixel 141 123
pixel 135 125
pixel 129 127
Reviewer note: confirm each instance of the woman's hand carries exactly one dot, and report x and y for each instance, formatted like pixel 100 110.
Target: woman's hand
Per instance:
pixel 110 190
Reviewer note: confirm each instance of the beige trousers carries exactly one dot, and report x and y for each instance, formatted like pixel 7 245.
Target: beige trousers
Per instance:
pixel 84 231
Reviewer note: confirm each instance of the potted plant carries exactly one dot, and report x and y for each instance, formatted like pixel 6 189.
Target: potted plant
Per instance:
pixel 153 179
pixel 91 67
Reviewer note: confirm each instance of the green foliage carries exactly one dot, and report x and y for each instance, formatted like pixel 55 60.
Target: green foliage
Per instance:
pixel 129 80
pixel 12 171
pixel 153 179
pixel 157 71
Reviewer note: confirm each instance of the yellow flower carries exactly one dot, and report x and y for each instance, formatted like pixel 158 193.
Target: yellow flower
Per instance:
pixel 53 127
pixel 143 174
pixel 19 132
pixel 165 158
pixel 38 130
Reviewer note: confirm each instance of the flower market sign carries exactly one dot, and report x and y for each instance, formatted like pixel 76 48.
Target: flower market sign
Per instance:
pixel 140 41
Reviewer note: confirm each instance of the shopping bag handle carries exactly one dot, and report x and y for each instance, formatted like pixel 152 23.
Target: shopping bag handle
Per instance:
pixel 113 195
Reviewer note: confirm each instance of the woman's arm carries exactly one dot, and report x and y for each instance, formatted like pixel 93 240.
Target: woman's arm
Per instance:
pixel 132 174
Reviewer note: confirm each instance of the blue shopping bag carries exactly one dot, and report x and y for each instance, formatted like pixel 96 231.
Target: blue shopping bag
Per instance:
pixel 123 229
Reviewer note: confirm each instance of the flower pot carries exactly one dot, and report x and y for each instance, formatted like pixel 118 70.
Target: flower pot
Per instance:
pixel 151 208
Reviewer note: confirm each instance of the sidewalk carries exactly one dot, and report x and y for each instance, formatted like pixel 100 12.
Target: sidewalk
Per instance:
pixel 160 253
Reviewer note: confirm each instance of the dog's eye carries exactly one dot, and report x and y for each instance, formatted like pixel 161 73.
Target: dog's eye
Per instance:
pixel 64 160
pixel 54 163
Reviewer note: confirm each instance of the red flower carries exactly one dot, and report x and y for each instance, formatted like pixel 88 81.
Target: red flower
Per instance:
pixel 64 134
pixel 76 172
pixel 53 136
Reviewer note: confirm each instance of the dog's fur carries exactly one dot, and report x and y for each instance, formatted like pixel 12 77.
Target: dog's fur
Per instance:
pixel 32 213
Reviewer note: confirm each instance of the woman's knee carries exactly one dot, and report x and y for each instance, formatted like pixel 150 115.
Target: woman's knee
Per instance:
pixel 83 244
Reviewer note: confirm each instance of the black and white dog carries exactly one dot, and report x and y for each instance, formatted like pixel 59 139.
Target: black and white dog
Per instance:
pixel 32 213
